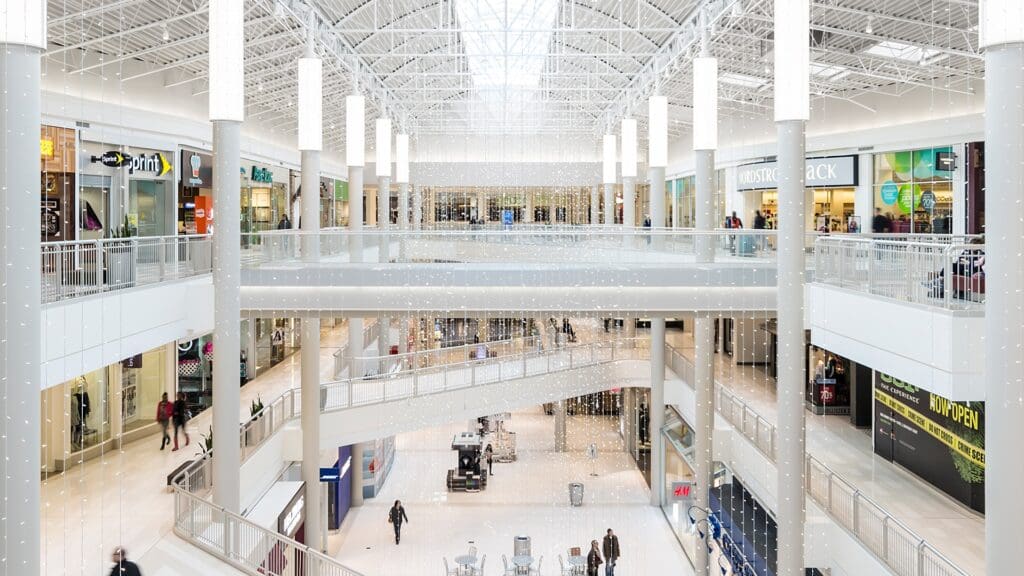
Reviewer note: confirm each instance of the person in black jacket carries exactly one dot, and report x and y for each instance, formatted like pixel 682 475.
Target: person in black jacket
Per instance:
pixel 395 517
pixel 593 559
pixel 179 416
pixel 122 567
pixel 489 453
pixel 610 547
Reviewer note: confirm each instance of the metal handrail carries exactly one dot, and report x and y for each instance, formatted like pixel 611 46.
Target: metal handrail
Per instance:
pixel 248 546
pixel 921 273
pixel 76 268
pixel 890 544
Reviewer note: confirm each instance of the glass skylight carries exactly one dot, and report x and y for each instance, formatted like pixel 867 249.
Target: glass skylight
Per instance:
pixel 741 80
pixel 901 51
pixel 828 71
pixel 507 40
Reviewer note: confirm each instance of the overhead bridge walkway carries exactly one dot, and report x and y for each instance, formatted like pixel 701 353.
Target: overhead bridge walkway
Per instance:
pixel 589 270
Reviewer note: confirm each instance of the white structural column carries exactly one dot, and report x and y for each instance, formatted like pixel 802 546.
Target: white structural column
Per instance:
pixel 657 161
pixel 417 207
pixel 22 39
pixel 383 167
pixel 595 205
pixel 560 420
pixel 1002 36
pixel 310 143
pixel 629 172
pixel 705 142
pixel 528 216
pixel 402 178
pixel 608 177
pixel 792 107
pixel 355 158
pixel 657 407
pixel 227 111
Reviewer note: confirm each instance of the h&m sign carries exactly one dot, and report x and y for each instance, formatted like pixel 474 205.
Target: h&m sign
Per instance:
pixel 832 172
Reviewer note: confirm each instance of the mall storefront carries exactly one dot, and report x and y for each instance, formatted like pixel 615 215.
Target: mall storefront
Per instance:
pixel 915 189
pixel 58 183
pixel 105 408
pixel 831 183
pixel 125 191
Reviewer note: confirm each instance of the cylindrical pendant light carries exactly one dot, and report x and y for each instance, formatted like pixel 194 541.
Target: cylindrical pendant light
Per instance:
pixel 227 76
pixel 609 159
pixel 705 104
pixel 384 147
pixel 1002 22
pixel 24 23
pixel 628 148
pixel 657 128
pixel 792 60
pixel 310 104
pixel 355 130
pixel 402 158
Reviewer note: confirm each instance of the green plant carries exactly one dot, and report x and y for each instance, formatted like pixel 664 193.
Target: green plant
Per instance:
pixel 207 444
pixel 256 407
pixel 125 230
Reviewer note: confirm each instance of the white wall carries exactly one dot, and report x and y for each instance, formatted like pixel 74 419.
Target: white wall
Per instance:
pixel 85 334
pixel 930 348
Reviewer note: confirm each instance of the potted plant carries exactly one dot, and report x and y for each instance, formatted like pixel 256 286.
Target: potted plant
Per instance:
pixel 121 256
pixel 254 432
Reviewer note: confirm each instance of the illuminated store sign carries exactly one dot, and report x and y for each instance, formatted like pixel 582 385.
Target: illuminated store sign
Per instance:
pixel 833 172
pixel 155 163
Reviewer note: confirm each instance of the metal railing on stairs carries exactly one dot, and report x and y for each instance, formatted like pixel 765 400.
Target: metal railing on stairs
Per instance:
pixel 899 547
pixel 237 541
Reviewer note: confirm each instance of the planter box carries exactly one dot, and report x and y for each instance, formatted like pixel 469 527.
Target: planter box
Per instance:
pixel 121 262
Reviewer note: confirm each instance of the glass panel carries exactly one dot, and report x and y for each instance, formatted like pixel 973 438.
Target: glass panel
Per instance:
pixel 914 187
pixel 147 207
pixel 87 404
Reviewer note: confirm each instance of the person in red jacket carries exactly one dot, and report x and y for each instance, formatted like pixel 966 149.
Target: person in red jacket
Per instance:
pixel 164 411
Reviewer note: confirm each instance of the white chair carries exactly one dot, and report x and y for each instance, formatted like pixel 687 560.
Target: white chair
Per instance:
pixel 480 571
pixel 508 570
pixel 536 571
pixel 449 571
pixel 472 551
pixel 561 567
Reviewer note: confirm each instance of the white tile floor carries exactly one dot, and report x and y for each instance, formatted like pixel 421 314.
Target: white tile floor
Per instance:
pixel 528 497
pixel 956 531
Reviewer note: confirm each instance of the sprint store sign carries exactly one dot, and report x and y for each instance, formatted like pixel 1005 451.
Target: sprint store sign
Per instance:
pixel 834 172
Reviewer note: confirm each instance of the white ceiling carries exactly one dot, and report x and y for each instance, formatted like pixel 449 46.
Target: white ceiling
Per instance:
pixel 527 67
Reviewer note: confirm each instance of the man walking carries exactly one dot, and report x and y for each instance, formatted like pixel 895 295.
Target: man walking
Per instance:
pixel 122 566
pixel 611 552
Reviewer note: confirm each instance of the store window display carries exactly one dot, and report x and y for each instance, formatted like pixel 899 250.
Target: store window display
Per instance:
pixel 914 189
pixel 143 380
pixel 87 406
pixel 828 391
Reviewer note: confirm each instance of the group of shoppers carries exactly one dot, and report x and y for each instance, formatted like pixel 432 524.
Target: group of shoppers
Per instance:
pixel 176 412
pixel 611 551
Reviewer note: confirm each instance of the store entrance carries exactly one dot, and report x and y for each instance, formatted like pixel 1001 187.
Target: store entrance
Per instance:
pixel 833 209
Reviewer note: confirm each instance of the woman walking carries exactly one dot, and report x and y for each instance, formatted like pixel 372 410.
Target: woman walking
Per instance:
pixel 395 517
pixel 593 559
pixel 180 416
pixel 164 413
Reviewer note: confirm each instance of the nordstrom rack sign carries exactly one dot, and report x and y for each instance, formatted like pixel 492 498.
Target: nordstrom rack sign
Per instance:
pixel 832 172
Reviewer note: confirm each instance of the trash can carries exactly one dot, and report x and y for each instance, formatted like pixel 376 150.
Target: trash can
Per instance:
pixel 521 546
pixel 576 493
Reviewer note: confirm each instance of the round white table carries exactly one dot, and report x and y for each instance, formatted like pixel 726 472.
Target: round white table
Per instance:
pixel 466 562
pixel 578 564
pixel 522 563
